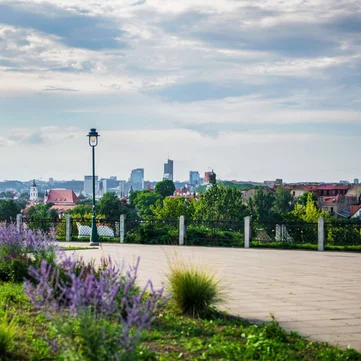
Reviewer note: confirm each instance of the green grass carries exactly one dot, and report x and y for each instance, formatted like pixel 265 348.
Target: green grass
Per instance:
pixel 76 248
pixel 305 246
pixel 87 239
pixel 225 338
pixel 174 337
pixel 7 334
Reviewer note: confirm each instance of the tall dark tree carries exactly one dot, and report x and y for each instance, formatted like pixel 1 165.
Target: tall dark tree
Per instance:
pixel 144 200
pixel 302 200
pixel 263 203
pixel 165 188
pixel 221 203
pixel 8 210
pixel 110 206
pixel 283 200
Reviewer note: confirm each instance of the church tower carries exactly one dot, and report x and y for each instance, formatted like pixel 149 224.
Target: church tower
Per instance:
pixel 34 194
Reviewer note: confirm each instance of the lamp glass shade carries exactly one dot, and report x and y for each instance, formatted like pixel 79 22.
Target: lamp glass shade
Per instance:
pixel 93 141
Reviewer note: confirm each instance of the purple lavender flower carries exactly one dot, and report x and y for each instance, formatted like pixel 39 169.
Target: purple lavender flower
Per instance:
pixel 74 288
pixel 24 248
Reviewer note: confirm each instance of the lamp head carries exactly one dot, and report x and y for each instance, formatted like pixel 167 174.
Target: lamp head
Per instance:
pixel 93 137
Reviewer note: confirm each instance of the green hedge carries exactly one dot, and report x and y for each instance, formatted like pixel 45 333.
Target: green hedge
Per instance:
pixel 339 235
pixel 204 236
pixel 150 233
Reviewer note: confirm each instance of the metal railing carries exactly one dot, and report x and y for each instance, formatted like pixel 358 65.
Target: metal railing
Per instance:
pixel 45 225
pixel 329 235
pixel 152 231
pixel 285 233
pixel 214 233
pixel 342 234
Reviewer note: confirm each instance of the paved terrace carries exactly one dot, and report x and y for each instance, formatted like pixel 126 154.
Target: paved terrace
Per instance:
pixel 317 294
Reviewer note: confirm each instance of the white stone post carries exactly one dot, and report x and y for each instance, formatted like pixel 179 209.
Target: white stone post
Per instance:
pixel 68 227
pixel 19 222
pixel 321 234
pixel 122 228
pixel 181 230
pixel 247 232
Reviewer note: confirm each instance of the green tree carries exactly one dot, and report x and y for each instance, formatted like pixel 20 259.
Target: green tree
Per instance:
pixel 132 196
pixel 310 212
pixel 302 200
pixel 165 188
pixel 144 200
pixel 282 200
pixel 81 209
pixel 173 208
pixel 110 206
pixel 221 203
pixel 8 210
pixel 263 203
pixel 42 211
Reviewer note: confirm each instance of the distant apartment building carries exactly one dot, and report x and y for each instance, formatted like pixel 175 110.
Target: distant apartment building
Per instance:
pixel 137 179
pixel 105 186
pixel 327 190
pixel 206 177
pixel 88 184
pixel 168 170
pixel 209 177
pixel 356 181
pixel 194 178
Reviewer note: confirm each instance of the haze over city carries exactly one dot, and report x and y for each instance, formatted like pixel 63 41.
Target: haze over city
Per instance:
pixel 254 89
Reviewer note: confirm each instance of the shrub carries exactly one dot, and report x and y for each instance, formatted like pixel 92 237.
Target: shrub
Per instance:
pixel 7 335
pixel 154 233
pixel 194 291
pixel 86 303
pixel 19 251
pixel 198 235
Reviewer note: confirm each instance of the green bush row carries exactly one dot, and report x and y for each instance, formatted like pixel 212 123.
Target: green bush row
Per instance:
pixel 195 236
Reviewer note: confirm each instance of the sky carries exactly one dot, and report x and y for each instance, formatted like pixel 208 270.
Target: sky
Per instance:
pixel 254 89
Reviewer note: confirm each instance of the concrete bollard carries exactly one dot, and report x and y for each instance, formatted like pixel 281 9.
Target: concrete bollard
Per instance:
pixel 68 227
pixel 122 228
pixel 321 234
pixel 247 232
pixel 181 230
pixel 19 222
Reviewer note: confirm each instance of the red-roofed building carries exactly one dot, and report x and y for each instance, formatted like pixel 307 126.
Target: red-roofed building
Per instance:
pixel 61 197
pixel 355 211
pixel 337 205
pixel 326 190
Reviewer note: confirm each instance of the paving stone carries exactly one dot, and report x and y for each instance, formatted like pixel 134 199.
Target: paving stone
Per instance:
pixel 314 292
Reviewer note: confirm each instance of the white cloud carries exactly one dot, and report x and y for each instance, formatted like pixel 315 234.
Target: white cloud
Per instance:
pixel 182 70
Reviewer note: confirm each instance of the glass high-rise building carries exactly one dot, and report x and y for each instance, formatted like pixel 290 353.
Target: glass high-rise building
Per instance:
pixel 194 178
pixel 137 179
pixel 168 170
pixel 88 184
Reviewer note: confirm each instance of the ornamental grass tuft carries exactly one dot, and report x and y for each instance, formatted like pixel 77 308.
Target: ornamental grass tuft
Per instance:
pixel 195 291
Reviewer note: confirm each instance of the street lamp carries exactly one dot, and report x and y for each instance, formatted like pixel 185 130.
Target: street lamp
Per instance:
pixel 93 142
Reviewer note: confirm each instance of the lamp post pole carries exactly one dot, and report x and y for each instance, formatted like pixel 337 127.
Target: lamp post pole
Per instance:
pixel 93 142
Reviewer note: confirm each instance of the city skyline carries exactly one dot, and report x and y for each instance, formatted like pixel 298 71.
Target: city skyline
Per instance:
pixel 255 90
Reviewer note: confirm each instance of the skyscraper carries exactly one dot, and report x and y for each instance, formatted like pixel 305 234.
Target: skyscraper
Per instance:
pixel 168 170
pixel 194 178
pixel 137 179
pixel 88 184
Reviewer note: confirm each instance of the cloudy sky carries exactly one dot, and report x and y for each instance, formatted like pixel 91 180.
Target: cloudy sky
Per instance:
pixel 256 89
